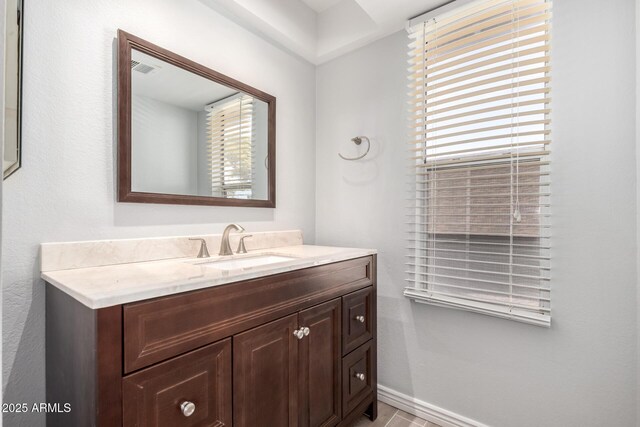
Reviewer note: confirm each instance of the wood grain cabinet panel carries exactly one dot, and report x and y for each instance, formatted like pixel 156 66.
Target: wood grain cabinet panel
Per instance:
pixel 265 375
pixel 357 319
pixel 198 381
pixel 320 363
pixel 157 329
pixel 357 377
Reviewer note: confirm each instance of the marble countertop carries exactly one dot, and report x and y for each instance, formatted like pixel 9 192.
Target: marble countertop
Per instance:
pixel 104 286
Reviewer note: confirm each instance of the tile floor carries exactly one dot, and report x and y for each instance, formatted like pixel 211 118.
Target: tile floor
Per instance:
pixel 388 416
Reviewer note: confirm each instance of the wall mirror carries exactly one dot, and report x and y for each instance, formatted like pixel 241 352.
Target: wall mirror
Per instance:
pixel 11 158
pixel 188 134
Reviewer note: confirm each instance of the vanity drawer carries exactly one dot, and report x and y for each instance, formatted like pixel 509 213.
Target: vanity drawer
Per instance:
pixel 164 395
pixel 158 329
pixel 357 374
pixel 357 325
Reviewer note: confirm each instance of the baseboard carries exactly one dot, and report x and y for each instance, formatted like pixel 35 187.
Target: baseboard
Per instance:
pixel 425 410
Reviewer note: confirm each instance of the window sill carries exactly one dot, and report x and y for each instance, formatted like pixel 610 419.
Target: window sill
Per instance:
pixel 522 316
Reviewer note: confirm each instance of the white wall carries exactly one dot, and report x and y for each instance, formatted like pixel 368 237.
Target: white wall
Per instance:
pixel 637 94
pixel 260 183
pixel 165 148
pixel 66 187
pixel 204 175
pixel 2 46
pixel 582 371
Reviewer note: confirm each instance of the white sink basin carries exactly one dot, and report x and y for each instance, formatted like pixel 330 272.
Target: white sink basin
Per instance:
pixel 248 262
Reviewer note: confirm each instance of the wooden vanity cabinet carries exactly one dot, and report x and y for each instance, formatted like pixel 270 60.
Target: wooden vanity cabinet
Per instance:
pixel 200 380
pixel 265 380
pixel 320 364
pixel 289 380
pixel 292 349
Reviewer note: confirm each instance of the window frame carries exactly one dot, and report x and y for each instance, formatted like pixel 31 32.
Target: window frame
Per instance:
pixel 425 291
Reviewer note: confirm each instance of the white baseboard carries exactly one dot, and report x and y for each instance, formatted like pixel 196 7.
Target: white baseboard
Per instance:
pixel 425 410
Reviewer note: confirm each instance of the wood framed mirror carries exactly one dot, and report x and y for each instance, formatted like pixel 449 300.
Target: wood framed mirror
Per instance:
pixel 14 33
pixel 190 135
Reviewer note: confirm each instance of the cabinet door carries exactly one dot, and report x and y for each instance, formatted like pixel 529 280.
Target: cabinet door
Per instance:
pixel 357 319
pixel 265 375
pixel 193 390
pixel 320 366
pixel 358 378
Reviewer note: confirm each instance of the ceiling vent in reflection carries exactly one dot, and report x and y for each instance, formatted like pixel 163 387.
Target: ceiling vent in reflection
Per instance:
pixel 142 68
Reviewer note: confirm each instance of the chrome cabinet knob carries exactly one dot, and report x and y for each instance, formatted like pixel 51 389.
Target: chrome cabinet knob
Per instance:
pixel 187 408
pixel 360 319
pixel 360 376
pixel 306 331
pixel 298 333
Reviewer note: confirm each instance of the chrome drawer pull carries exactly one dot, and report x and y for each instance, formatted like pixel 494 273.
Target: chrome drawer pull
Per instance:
pixel 187 408
pixel 306 331
pixel 298 333
pixel 360 319
pixel 360 376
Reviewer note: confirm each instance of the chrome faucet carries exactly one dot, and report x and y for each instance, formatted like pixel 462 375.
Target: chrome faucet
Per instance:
pixel 225 247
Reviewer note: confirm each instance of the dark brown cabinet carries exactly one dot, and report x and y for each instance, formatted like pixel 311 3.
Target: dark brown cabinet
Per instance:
pixel 287 350
pixel 265 380
pixel 357 318
pixel 288 371
pixel 320 360
pixel 189 390
pixel 357 377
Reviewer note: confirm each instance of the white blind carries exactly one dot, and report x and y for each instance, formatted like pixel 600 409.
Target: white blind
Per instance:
pixel 479 212
pixel 231 145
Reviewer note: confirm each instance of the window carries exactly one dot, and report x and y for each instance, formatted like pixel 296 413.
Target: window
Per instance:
pixel 479 214
pixel 231 144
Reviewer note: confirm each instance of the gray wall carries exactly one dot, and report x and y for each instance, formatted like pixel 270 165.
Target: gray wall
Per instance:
pixel 204 175
pixel 582 371
pixel 2 20
pixel 637 94
pixel 164 152
pixel 66 188
pixel 260 184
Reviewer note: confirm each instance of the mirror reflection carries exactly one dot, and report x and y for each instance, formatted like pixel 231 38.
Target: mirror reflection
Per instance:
pixel 12 87
pixel 193 136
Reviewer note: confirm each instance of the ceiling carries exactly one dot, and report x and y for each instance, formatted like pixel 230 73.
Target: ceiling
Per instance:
pixel 175 86
pixel 321 30
pixel 320 5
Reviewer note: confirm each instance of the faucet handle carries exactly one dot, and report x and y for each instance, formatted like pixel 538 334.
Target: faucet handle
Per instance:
pixel 204 251
pixel 241 248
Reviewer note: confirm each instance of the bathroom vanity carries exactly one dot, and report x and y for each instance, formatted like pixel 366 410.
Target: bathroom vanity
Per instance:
pixel 291 343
